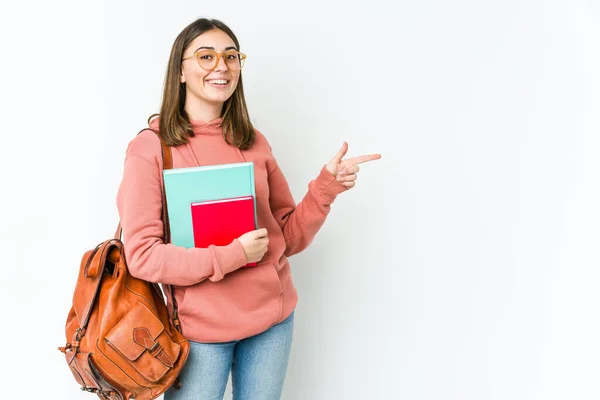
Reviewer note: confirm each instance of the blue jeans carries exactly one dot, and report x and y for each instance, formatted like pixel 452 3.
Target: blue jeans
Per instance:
pixel 258 365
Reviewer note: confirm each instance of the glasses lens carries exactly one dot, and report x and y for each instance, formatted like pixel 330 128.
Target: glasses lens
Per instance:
pixel 206 59
pixel 234 60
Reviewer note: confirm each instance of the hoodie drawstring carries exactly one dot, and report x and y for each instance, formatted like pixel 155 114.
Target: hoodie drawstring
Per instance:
pixel 189 147
pixel 240 153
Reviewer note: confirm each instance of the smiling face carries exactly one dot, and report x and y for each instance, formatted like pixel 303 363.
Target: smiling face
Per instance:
pixel 209 87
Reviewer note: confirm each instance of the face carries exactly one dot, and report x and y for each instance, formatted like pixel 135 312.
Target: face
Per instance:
pixel 209 87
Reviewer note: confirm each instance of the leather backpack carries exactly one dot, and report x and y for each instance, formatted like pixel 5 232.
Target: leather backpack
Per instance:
pixel 122 341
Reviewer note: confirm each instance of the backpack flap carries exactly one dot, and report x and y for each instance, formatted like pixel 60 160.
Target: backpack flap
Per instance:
pixel 93 266
pixel 140 338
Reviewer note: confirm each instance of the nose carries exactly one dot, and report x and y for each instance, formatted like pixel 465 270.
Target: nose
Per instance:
pixel 221 65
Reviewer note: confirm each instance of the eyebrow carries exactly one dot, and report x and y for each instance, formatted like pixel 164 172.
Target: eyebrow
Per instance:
pixel 212 48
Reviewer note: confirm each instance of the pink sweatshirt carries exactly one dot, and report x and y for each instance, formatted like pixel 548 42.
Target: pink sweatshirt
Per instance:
pixel 217 300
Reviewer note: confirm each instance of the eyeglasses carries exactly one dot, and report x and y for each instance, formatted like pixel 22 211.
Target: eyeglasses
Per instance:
pixel 208 59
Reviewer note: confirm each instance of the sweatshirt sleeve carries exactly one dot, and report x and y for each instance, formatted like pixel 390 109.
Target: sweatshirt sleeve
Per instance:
pixel 300 223
pixel 139 201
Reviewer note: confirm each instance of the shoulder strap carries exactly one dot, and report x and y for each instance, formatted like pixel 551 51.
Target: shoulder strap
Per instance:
pixel 167 159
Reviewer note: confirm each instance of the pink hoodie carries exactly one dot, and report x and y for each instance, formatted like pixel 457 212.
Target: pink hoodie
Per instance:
pixel 219 301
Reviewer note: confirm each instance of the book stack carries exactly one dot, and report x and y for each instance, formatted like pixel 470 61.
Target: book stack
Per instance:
pixel 210 205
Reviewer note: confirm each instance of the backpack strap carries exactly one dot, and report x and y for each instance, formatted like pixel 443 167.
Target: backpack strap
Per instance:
pixel 167 160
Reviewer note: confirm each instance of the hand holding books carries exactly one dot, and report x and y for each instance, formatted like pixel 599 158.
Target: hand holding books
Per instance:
pixel 255 244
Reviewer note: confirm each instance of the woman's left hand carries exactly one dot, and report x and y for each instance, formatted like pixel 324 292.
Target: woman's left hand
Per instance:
pixel 345 170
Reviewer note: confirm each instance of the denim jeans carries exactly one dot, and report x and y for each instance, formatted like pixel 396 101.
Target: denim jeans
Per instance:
pixel 258 365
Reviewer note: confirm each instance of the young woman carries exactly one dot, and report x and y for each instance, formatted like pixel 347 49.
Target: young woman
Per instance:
pixel 237 319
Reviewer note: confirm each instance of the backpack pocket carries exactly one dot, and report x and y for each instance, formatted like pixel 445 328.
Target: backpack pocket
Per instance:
pixel 141 339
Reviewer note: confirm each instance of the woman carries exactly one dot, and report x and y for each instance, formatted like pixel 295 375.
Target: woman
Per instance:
pixel 237 319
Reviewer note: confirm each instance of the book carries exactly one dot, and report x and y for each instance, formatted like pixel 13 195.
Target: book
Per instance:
pixel 219 222
pixel 184 186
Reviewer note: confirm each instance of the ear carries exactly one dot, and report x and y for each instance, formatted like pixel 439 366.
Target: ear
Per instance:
pixel 181 77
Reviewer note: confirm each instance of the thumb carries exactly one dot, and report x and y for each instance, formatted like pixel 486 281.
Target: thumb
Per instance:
pixel 338 157
pixel 260 233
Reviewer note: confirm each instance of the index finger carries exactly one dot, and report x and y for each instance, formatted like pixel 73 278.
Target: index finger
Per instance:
pixel 363 159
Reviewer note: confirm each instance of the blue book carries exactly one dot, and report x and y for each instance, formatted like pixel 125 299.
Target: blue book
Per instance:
pixel 184 186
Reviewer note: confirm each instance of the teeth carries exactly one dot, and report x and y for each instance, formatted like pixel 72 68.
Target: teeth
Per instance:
pixel 218 81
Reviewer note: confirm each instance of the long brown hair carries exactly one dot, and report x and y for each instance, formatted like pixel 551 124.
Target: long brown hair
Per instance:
pixel 174 123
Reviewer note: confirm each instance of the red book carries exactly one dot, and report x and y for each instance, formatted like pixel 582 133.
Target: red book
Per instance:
pixel 218 222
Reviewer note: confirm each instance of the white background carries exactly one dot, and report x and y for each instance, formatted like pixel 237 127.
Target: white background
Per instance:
pixel 464 265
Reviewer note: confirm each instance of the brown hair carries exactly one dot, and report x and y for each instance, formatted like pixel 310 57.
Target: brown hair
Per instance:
pixel 174 124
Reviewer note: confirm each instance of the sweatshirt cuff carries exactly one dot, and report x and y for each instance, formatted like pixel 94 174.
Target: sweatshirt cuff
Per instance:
pixel 327 186
pixel 232 257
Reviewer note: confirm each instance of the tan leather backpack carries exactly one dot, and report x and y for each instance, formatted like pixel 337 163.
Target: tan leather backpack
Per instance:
pixel 122 342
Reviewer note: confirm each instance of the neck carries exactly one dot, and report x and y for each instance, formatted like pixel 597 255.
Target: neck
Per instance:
pixel 199 110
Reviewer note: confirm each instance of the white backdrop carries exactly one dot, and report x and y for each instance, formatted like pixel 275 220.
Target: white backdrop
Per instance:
pixel 463 266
